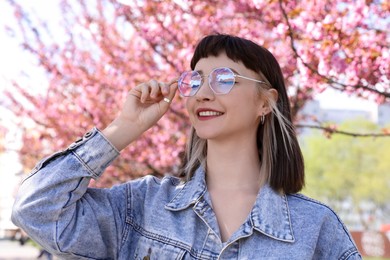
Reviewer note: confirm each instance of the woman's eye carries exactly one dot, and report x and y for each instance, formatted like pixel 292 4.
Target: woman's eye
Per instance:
pixel 229 82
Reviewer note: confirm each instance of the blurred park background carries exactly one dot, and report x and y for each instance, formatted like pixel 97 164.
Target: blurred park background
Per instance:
pixel 67 65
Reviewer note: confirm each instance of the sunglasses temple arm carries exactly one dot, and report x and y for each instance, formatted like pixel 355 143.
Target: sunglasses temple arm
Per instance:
pixel 255 80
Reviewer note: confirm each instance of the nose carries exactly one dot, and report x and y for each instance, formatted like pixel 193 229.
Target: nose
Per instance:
pixel 205 93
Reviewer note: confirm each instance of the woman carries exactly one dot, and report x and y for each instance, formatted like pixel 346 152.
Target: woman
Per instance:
pixel 243 170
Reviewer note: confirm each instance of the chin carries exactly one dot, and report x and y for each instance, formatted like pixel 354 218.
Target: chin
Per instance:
pixel 205 135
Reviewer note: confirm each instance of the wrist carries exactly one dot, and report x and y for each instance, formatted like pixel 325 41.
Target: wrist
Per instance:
pixel 121 133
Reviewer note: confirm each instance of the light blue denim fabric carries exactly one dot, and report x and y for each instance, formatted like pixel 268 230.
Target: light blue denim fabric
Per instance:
pixel 151 218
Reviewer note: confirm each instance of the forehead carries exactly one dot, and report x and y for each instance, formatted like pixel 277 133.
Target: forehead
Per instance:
pixel 206 65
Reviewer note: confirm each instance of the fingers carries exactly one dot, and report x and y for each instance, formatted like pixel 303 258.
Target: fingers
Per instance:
pixel 171 89
pixel 154 91
pixel 150 91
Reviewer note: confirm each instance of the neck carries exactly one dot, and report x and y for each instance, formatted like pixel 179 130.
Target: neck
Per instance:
pixel 233 165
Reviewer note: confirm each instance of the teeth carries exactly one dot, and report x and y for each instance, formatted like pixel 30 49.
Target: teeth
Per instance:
pixel 209 113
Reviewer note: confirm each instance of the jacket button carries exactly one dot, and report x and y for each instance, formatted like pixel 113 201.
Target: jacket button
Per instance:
pixel 88 134
pixel 212 236
pixel 76 144
pixel 72 146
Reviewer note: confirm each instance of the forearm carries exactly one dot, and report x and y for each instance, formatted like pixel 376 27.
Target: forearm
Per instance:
pixel 46 201
pixel 120 133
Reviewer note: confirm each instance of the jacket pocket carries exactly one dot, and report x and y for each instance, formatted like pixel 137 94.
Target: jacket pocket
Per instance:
pixel 149 249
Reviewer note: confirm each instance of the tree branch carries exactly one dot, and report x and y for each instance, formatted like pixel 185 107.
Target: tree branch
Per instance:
pixel 332 130
pixel 340 86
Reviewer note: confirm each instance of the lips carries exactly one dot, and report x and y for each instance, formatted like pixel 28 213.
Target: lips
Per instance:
pixel 208 113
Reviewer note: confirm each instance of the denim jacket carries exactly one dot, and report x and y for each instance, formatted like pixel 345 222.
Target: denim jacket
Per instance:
pixel 152 218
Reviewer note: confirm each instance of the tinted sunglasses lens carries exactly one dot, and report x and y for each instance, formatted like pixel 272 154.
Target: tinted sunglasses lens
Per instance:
pixel 222 80
pixel 189 83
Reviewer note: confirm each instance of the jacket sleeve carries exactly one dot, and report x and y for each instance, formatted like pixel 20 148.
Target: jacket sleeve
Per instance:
pixel 57 209
pixel 336 241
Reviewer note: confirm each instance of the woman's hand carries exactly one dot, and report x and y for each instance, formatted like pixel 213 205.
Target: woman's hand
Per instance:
pixel 144 106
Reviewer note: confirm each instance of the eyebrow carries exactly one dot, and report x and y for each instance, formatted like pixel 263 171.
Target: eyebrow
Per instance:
pixel 201 71
pixel 235 72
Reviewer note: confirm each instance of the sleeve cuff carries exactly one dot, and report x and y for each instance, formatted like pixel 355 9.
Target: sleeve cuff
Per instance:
pixel 95 152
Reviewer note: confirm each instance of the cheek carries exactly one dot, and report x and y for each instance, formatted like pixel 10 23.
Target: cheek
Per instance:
pixel 259 104
pixel 188 105
pixel 190 102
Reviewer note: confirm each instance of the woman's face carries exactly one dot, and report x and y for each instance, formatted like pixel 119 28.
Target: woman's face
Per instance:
pixel 232 115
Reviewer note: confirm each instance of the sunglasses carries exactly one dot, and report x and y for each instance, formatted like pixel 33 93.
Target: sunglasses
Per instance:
pixel 221 81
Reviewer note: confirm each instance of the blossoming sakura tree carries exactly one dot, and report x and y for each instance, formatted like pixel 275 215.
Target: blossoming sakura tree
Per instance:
pixel 102 48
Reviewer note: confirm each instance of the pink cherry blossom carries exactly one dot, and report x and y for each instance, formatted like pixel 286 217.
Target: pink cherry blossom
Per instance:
pixel 104 48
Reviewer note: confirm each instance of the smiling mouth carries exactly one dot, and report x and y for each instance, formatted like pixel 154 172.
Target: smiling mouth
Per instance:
pixel 209 113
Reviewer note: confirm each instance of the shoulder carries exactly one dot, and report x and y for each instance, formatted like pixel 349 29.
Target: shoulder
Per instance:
pixel 155 182
pixel 150 187
pixel 313 218
pixel 313 211
pixel 147 197
pixel 301 201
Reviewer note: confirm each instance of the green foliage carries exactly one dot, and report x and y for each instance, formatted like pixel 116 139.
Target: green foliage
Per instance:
pixel 343 168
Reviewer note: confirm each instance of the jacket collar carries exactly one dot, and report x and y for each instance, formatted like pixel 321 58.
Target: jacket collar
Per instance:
pixel 270 214
pixel 189 192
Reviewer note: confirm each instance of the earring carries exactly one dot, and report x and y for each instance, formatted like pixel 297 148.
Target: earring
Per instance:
pixel 262 119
